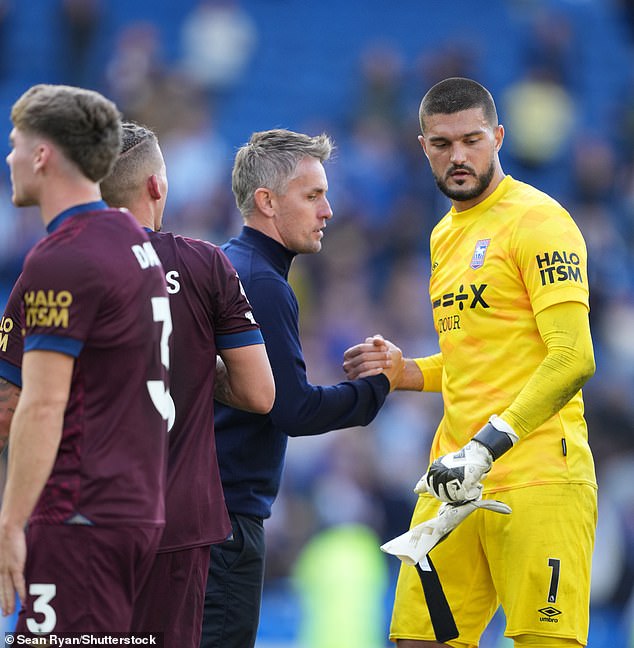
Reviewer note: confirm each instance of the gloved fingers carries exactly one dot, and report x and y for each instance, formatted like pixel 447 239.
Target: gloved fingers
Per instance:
pixel 413 545
pixel 422 486
pixel 445 491
pixel 458 494
pixel 493 505
pixel 451 515
pixel 452 491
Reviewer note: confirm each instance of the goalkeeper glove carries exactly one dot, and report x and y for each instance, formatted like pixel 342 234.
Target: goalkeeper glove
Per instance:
pixel 457 477
pixel 412 547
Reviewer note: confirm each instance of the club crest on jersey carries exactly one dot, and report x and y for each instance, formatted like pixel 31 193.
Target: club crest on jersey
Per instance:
pixel 477 260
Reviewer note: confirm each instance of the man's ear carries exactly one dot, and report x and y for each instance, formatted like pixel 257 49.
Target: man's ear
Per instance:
pixel 264 199
pixel 41 156
pixel 153 187
pixel 499 136
pixel 421 141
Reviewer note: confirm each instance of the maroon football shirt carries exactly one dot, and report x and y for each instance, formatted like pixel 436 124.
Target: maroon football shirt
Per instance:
pixel 209 312
pixel 11 340
pixel 94 289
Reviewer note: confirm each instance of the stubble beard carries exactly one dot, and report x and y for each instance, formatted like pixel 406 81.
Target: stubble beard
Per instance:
pixel 459 195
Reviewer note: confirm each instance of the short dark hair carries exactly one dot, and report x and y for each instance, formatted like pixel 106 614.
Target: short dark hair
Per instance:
pixel 82 123
pixel 139 158
pixel 454 95
pixel 269 159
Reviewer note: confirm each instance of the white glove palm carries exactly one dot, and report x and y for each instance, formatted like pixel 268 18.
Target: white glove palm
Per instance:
pixel 412 547
pixel 457 477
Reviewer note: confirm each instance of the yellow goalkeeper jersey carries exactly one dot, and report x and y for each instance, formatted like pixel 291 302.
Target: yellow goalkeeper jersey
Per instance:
pixel 494 267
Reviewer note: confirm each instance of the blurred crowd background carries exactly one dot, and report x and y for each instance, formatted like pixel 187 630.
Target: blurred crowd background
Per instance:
pixel 205 74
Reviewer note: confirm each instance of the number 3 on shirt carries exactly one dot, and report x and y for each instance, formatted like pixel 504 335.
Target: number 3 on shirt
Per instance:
pixel 159 393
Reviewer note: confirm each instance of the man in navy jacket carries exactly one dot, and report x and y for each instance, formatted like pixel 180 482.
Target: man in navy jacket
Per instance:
pixel 280 187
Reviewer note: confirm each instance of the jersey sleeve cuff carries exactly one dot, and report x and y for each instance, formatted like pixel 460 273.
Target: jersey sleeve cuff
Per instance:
pixel 236 340
pixel 67 346
pixel 431 368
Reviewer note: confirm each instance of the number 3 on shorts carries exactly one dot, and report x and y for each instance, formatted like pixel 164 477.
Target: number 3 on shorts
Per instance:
pixel 45 592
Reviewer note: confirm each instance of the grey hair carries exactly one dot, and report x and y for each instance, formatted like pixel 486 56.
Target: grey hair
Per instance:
pixel 269 159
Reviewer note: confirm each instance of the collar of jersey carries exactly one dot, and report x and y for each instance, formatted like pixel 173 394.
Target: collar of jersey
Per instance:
pixel 73 211
pixel 460 219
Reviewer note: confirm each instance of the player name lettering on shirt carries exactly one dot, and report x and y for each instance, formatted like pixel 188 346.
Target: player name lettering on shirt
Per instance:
pixel 146 255
pixel 47 307
pixel 559 266
pixel 173 285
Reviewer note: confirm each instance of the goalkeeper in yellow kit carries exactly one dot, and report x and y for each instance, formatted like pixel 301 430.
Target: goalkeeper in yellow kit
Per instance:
pixel 509 293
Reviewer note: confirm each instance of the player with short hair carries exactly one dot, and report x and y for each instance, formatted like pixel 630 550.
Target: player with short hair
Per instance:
pixel 509 293
pixel 280 187
pixel 211 315
pixel 86 468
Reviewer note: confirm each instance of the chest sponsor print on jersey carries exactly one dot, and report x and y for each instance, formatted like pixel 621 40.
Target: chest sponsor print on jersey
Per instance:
pixel 477 260
pixel 461 297
pixel 559 266
pixel 473 298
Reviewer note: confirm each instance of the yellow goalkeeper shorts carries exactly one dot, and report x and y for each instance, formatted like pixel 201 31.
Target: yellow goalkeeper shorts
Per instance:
pixel 535 562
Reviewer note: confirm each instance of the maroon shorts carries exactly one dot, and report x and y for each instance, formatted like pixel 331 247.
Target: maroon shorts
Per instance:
pixel 171 601
pixel 84 578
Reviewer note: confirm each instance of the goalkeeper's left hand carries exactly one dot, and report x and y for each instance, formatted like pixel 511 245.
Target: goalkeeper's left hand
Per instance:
pixel 457 477
pixel 412 547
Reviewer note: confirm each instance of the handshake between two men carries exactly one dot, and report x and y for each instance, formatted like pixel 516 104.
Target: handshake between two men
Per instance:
pixel 455 478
